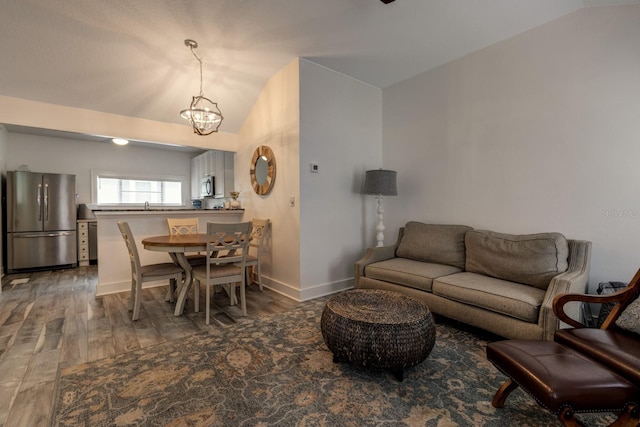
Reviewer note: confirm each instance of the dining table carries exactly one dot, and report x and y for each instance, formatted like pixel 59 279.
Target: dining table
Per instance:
pixel 177 246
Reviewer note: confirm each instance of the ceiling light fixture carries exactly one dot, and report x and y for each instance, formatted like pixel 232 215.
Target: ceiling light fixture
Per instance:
pixel 203 114
pixel 120 141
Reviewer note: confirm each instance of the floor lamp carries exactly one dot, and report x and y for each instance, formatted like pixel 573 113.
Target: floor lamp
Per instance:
pixel 381 183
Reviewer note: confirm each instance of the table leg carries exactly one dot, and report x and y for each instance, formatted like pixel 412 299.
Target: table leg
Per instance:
pixel 171 292
pixel 188 278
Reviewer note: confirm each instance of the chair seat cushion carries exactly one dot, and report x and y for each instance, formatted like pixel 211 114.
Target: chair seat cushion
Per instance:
pixel 618 350
pixel 501 296
pixel 221 270
pixel 162 269
pixel 408 272
pixel 556 375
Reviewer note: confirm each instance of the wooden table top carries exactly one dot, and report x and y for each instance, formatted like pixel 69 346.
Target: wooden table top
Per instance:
pixel 176 240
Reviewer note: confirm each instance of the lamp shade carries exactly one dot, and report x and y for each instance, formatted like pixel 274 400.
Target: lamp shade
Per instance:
pixel 380 181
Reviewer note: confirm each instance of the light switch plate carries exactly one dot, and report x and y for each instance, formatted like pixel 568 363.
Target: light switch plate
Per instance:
pixel 314 167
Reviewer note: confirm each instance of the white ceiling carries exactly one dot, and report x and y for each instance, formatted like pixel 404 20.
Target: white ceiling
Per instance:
pixel 129 57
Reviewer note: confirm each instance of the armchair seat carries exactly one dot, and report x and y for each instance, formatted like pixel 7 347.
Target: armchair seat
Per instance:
pixel 560 377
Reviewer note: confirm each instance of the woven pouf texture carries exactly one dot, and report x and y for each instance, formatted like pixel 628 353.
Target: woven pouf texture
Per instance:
pixel 378 329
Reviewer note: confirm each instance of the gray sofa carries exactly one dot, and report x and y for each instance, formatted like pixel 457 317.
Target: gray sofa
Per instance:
pixel 502 283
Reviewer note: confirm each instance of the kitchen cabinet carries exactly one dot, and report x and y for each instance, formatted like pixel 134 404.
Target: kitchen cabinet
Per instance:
pixel 213 163
pixel 196 175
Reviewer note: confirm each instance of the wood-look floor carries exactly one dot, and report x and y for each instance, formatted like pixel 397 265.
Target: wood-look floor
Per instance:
pixel 54 320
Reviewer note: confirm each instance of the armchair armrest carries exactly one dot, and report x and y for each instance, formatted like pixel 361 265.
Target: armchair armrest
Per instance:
pixel 574 280
pixel 622 298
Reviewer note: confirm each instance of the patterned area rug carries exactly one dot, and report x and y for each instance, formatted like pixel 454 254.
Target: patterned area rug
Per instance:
pixel 277 371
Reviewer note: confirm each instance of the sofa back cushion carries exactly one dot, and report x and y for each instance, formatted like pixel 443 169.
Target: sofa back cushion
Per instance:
pixel 531 259
pixel 436 243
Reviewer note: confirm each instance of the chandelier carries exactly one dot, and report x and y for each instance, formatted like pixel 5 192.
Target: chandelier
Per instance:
pixel 203 114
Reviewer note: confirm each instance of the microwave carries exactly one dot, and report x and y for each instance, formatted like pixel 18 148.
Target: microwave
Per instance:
pixel 208 186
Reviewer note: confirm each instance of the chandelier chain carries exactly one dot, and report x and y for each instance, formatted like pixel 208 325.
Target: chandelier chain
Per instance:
pixel 200 61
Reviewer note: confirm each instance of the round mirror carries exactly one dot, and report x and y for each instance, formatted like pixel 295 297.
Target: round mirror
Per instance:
pixel 263 170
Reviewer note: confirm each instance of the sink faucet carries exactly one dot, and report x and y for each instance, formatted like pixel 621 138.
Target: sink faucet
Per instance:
pixel 146 206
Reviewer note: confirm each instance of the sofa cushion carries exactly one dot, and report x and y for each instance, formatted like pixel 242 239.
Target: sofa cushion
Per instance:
pixel 618 350
pixel 408 272
pixel 532 259
pixel 629 319
pixel 439 244
pixel 512 299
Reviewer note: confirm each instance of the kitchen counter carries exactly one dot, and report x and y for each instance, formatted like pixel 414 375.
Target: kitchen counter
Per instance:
pixel 114 271
pixel 154 210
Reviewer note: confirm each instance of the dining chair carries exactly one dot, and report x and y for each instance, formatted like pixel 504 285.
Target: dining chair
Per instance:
pixel 259 231
pixel 146 273
pixel 187 226
pixel 227 270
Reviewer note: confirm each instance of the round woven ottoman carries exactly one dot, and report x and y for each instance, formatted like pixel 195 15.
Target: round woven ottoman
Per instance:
pixel 378 329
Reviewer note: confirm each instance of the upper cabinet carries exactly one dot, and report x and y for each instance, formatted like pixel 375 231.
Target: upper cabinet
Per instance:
pixel 213 163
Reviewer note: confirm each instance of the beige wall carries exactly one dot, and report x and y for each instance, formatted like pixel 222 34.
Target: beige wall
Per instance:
pixel 274 121
pixel 3 161
pixel 307 113
pixel 540 132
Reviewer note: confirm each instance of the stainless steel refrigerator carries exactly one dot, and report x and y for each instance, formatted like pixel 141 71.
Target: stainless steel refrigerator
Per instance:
pixel 41 220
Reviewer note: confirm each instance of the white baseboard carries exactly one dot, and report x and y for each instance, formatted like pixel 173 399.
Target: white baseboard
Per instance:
pixel 285 289
pixel 115 287
pixel 307 293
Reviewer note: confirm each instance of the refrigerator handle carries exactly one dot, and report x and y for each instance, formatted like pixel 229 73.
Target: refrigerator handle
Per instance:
pixel 46 202
pixel 38 202
pixel 39 235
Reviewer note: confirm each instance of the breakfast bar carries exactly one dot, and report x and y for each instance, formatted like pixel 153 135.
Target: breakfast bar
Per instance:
pixel 114 271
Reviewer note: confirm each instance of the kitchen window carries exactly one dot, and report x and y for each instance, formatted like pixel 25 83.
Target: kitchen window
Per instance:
pixel 117 189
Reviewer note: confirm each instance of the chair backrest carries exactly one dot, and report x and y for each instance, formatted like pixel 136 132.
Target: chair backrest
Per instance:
pixel 183 225
pixel 259 230
pixel 623 298
pixel 134 257
pixel 233 237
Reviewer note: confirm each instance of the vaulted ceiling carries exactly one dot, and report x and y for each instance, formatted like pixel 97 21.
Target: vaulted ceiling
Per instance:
pixel 129 57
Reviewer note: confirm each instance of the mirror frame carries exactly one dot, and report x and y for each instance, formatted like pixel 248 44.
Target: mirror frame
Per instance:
pixel 263 151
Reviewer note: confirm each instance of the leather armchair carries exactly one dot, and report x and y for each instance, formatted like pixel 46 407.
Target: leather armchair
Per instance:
pixel 582 369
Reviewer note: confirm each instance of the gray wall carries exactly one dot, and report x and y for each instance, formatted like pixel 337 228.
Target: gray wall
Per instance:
pixel 537 133
pixel 58 155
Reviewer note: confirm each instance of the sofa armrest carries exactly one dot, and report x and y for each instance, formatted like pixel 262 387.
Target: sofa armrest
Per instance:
pixel 621 298
pixel 574 280
pixel 372 255
pixel 379 253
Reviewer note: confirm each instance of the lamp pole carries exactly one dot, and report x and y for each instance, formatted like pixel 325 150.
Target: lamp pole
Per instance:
pixel 380 226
